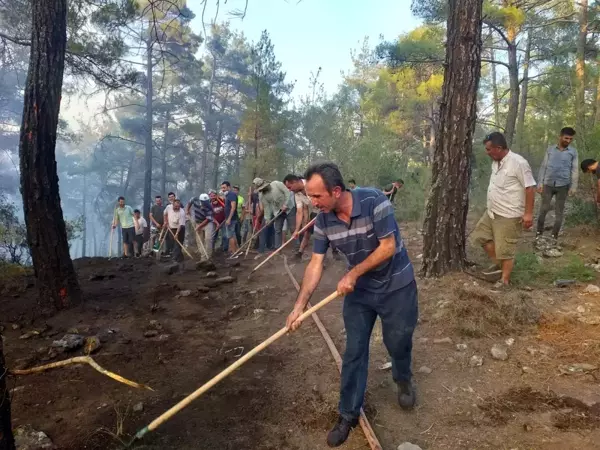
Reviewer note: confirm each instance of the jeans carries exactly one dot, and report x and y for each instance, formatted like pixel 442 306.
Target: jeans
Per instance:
pixel 238 232
pixel 290 218
pixel 177 251
pixel 561 193
pixel 266 239
pixel 398 311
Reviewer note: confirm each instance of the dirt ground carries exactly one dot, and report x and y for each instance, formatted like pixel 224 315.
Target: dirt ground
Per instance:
pixel 286 397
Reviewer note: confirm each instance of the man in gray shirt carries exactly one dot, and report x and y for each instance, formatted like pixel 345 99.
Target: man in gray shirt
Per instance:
pixel 558 177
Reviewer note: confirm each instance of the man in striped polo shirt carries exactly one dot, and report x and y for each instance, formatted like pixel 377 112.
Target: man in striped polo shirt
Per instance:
pixel 380 282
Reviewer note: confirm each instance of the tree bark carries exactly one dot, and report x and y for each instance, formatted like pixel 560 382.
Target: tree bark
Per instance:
pixel 7 441
pixel 597 104
pixel 513 77
pixel 84 214
pixel 46 231
pixel 524 93
pixel 207 120
pixel 165 147
pixel 448 202
pixel 495 90
pixel 149 124
pixel 218 146
pixel 580 68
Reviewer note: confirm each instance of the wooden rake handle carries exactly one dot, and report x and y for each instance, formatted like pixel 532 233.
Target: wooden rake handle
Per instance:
pixel 256 233
pixel 180 244
pixel 228 371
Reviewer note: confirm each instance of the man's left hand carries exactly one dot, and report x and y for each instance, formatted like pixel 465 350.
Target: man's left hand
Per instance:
pixel 347 283
pixel 527 221
pixel 571 192
pixel 228 222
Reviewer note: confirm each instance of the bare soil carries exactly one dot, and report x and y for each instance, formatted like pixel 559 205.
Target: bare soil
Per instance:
pixel 286 397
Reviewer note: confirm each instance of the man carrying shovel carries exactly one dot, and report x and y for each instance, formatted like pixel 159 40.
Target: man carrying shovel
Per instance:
pixel 380 282
pixel 275 197
pixel 203 223
pixel 175 219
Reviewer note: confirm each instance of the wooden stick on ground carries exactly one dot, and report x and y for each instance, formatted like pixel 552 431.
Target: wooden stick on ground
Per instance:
pixel 237 364
pixel 306 227
pixel 364 422
pixel 81 360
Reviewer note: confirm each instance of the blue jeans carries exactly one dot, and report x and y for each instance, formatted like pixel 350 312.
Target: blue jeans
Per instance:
pixel 398 311
pixel 266 238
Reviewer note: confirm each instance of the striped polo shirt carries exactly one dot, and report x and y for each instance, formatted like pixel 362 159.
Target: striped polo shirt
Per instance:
pixel 372 219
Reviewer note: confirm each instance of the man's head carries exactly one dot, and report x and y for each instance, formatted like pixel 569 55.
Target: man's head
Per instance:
pixel 293 183
pixel 398 183
pixel 158 200
pixel 137 213
pixel 225 186
pixel 236 189
pixel 351 183
pixel 261 185
pixel 324 185
pixel 204 198
pixel 588 165
pixel 567 134
pixel 496 146
pixel 176 204
pixel 171 197
pixel 121 201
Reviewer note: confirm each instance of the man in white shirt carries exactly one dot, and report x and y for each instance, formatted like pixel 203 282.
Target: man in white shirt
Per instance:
pixel 140 225
pixel 510 199
pixel 175 218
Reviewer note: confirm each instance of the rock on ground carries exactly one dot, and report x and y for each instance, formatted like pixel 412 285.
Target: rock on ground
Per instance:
pixel 26 438
pixel 408 446
pixel 592 289
pixel 92 344
pixel 476 361
pixel 499 352
pixel 69 342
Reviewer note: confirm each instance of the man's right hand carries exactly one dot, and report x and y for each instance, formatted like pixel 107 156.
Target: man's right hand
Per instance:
pixel 292 321
pixel 540 189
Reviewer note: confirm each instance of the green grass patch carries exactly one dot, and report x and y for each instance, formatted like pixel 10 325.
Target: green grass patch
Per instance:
pixel 532 269
pixel 581 212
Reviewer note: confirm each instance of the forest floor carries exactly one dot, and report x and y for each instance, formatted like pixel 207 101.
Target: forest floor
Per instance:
pixel 545 395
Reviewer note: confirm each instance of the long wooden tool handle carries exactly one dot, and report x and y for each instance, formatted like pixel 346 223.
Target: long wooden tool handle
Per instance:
pixel 256 233
pixel 180 244
pixel 306 227
pixel 205 387
pixel 201 243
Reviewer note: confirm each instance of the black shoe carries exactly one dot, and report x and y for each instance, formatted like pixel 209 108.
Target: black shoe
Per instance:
pixel 406 395
pixel 339 433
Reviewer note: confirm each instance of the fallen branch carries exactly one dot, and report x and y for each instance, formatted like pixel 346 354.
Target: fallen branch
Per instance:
pixel 80 360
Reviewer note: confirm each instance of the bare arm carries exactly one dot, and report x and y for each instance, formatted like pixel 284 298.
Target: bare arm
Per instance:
pixel 529 202
pixel 575 173
pixel 312 276
pixel 233 209
pixel 598 192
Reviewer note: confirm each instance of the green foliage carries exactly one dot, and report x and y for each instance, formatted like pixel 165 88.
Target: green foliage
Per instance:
pixel 531 269
pixel 581 212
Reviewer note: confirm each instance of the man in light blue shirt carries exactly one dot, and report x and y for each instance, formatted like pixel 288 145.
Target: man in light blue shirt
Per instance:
pixel 558 177
pixel 124 216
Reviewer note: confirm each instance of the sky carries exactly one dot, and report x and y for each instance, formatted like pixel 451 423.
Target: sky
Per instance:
pixel 306 35
pixel 314 33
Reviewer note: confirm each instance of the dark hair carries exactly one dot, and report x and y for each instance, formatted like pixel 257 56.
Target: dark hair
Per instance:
pixel 586 163
pixel 136 211
pixel 567 131
pixel 170 193
pixel 351 180
pixel 121 198
pixel 291 178
pixel 497 139
pixel 177 200
pixel 158 196
pixel 329 172
pixel 226 183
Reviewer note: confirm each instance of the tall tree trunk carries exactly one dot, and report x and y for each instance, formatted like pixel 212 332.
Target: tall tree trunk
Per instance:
pixel 495 98
pixel 218 146
pixel 524 92
pixel 580 68
pixel 7 441
pixel 163 160
pixel 207 121
pixel 431 135
pixel 46 231
pixel 84 215
pixel 149 124
pixel 448 203
pixel 513 78
pixel 597 104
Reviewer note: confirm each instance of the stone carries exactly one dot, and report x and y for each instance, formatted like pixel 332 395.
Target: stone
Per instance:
pixel 258 311
pixel 528 370
pixel 589 320
pixel 227 279
pixel 425 370
pixel 69 342
pixel 206 266
pixel 386 366
pixel 138 407
pixel 461 347
pixel 29 334
pixel 26 438
pixel 581 309
pixel 92 344
pixel 408 446
pixel 170 269
pixel 552 253
pixel 151 333
pixel 592 289
pixel 579 368
pixel 154 325
pixel 445 340
pixel 532 351
pixel 15 326
pixel 476 361
pixel 499 352
pixel 423 340
pixel 564 283
pixel 185 293
pixel 510 342
pixel 212 274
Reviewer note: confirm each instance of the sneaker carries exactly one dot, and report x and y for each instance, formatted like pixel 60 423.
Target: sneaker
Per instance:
pixel 339 433
pixel 493 275
pixel 407 396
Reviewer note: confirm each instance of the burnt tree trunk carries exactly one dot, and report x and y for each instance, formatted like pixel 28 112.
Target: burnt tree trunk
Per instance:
pixel 513 77
pixel 148 132
pixel 46 231
pixel 524 94
pixel 7 441
pixel 495 90
pixel 448 202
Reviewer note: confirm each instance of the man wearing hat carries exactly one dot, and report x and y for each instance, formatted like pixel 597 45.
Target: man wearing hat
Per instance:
pixel 275 197
pixel 202 213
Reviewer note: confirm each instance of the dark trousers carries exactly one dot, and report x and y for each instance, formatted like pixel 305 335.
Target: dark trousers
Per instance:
pixel 177 251
pixel 266 239
pixel 561 194
pixel 398 311
pixel 238 232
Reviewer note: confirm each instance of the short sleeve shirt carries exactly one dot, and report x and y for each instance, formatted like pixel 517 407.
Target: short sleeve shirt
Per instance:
pixel 125 216
pixel 231 197
pixel 158 213
pixel 372 219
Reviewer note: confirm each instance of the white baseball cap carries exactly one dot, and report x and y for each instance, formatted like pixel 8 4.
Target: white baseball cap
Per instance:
pixel 204 197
